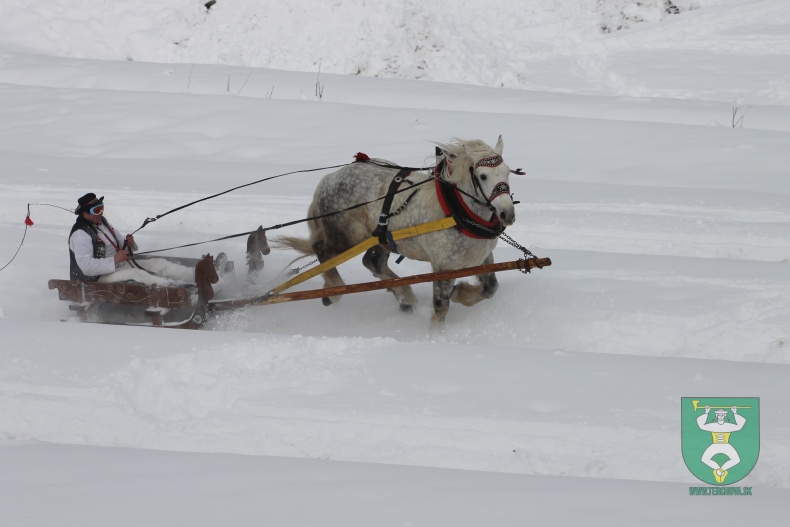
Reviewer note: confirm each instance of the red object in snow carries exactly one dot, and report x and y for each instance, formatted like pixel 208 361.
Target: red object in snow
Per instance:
pixel 28 221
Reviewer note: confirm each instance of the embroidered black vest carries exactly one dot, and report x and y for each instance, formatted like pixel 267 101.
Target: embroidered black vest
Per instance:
pixel 99 248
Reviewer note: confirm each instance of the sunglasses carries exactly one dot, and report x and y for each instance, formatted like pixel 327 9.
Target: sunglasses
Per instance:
pixel 96 209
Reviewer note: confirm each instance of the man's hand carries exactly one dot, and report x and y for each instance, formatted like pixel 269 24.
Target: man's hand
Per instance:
pixel 129 240
pixel 735 410
pixel 121 256
pixel 707 410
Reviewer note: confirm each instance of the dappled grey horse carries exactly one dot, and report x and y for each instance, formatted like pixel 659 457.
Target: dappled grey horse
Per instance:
pixel 470 182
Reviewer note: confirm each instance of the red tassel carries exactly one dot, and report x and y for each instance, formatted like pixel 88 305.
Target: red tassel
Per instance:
pixel 359 157
pixel 28 221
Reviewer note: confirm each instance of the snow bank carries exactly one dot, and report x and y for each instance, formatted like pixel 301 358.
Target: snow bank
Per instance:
pixel 471 41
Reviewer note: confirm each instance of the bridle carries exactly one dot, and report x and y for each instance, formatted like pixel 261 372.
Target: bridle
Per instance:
pixel 451 199
pixel 500 188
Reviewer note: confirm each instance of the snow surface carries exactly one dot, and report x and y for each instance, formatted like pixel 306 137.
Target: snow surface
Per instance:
pixel 558 401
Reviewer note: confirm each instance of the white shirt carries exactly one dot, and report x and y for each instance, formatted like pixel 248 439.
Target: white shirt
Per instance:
pixel 81 244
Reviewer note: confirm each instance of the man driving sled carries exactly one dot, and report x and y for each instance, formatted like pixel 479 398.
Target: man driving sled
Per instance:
pixel 98 252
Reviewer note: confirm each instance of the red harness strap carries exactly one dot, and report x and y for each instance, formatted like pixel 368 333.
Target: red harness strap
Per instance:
pixel 467 221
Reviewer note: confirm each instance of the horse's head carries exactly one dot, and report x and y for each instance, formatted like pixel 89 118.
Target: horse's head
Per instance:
pixel 205 275
pixel 257 242
pixel 481 172
pixel 257 248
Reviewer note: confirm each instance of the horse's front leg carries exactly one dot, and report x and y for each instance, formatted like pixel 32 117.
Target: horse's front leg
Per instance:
pixel 469 295
pixel 442 290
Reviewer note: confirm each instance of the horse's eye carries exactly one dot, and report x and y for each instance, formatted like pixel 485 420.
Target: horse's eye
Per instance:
pixel 483 177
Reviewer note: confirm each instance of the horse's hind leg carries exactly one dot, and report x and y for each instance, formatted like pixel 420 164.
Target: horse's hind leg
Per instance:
pixel 331 277
pixel 375 260
pixel 469 295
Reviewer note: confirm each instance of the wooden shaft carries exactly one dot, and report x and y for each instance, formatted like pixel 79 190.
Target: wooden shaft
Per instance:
pixel 383 284
pixel 400 234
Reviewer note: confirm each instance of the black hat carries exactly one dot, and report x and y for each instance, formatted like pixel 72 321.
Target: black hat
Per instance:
pixel 84 201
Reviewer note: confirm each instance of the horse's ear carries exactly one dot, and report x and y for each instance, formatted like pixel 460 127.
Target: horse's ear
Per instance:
pixel 499 145
pixel 440 152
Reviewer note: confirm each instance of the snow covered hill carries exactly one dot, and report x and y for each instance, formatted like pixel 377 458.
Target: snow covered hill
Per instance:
pixel 555 45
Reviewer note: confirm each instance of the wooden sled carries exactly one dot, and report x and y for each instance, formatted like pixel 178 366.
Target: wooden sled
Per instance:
pixel 144 305
pixel 189 307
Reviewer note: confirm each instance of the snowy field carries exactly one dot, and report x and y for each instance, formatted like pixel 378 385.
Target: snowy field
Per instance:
pixel 555 402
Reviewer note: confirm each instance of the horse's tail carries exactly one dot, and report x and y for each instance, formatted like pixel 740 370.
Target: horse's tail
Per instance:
pixel 300 245
pixel 305 246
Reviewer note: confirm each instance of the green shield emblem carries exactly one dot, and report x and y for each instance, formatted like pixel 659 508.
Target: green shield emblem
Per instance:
pixel 720 437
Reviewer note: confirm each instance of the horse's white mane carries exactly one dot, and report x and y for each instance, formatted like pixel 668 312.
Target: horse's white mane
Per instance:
pixel 464 152
pixel 460 148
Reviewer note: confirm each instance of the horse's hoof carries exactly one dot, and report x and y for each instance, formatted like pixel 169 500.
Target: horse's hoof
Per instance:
pixel 406 308
pixel 438 318
pixel 438 325
pixel 326 301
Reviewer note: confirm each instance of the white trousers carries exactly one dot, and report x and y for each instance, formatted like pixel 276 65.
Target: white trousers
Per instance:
pixel 166 273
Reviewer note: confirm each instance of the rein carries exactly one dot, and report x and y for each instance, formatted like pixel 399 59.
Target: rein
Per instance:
pixel 151 220
pixel 288 224
pixel 469 220
pixel 358 157
pixel 466 220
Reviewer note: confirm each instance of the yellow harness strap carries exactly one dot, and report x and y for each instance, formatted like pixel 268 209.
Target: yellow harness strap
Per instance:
pixel 423 228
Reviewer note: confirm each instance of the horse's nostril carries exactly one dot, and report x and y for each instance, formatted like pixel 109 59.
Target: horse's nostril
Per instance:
pixel 502 216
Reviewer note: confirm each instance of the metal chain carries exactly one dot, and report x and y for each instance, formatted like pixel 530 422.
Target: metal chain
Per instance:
pixel 510 241
pixel 527 253
pixel 507 239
